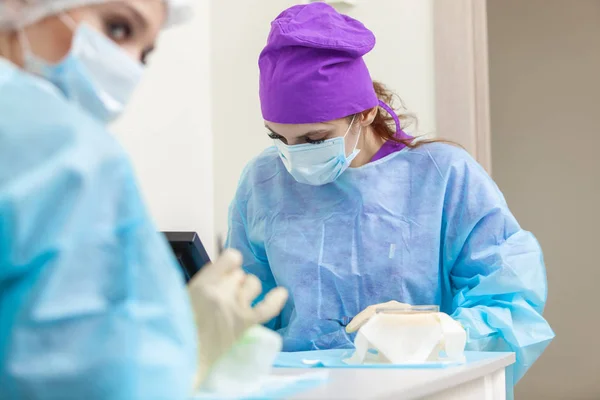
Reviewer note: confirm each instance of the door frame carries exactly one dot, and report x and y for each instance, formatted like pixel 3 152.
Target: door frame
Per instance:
pixel 462 76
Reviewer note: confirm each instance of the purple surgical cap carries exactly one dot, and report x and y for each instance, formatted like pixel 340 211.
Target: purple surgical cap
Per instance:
pixel 312 68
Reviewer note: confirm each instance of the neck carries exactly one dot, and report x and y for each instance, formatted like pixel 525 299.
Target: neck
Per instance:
pixel 8 49
pixel 369 145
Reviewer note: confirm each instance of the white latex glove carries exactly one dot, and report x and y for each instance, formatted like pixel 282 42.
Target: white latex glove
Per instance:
pixel 365 315
pixel 222 295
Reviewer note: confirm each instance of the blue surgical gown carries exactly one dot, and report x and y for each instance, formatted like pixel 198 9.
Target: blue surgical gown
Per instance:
pixel 92 302
pixel 425 226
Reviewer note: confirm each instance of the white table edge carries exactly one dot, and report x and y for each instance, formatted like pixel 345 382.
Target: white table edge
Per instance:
pixel 454 377
pixel 461 375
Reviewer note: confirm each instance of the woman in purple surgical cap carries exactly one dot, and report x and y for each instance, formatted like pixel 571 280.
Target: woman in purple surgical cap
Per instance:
pixel 347 211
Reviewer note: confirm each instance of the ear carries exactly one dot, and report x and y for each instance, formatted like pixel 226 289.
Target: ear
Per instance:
pixel 368 116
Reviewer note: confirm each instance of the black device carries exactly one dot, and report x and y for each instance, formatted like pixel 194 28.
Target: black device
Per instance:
pixel 189 250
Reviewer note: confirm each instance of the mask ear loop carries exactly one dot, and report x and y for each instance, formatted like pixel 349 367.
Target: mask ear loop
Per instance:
pixel 359 132
pixel 68 21
pixel 350 127
pixel 30 61
pixel 24 41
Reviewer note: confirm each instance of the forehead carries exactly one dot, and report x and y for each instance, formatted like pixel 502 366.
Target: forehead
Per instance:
pixel 154 12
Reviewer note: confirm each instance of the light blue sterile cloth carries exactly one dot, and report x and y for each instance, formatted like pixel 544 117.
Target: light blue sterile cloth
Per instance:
pixel 335 359
pixel 274 387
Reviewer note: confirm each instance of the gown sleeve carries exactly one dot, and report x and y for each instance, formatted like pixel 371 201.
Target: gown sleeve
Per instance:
pixel 496 269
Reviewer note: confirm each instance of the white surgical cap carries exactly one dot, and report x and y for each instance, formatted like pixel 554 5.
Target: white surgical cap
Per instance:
pixel 19 13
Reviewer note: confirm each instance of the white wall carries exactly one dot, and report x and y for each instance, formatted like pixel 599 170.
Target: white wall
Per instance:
pixel 545 85
pixel 167 130
pixel 403 59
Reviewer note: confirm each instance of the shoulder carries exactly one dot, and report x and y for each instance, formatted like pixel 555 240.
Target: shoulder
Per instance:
pixel 265 164
pixel 48 145
pixel 447 158
pixel 461 174
pixel 457 169
pixel 260 172
pixel 31 101
pixel 24 93
pixel 40 126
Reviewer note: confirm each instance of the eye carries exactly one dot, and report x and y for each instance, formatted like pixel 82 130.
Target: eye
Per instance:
pixel 275 136
pixel 314 141
pixel 119 30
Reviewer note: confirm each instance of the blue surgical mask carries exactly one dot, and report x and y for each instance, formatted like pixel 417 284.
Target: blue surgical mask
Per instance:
pixel 317 164
pixel 96 73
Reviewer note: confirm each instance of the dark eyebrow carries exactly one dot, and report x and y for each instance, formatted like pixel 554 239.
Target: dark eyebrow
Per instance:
pixel 136 15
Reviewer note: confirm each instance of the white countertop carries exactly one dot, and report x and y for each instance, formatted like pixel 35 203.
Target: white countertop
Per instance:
pixel 379 383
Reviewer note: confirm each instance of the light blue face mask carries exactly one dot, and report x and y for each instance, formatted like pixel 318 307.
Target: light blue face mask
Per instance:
pixel 317 164
pixel 96 73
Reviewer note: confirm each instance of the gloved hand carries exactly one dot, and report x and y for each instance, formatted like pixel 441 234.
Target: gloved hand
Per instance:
pixel 221 295
pixel 358 321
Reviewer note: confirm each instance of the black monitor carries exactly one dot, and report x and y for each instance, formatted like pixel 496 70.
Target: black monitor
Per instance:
pixel 189 251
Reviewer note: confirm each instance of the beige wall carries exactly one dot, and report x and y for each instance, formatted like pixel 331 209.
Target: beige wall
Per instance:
pixel 167 130
pixel 545 105
pixel 403 59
